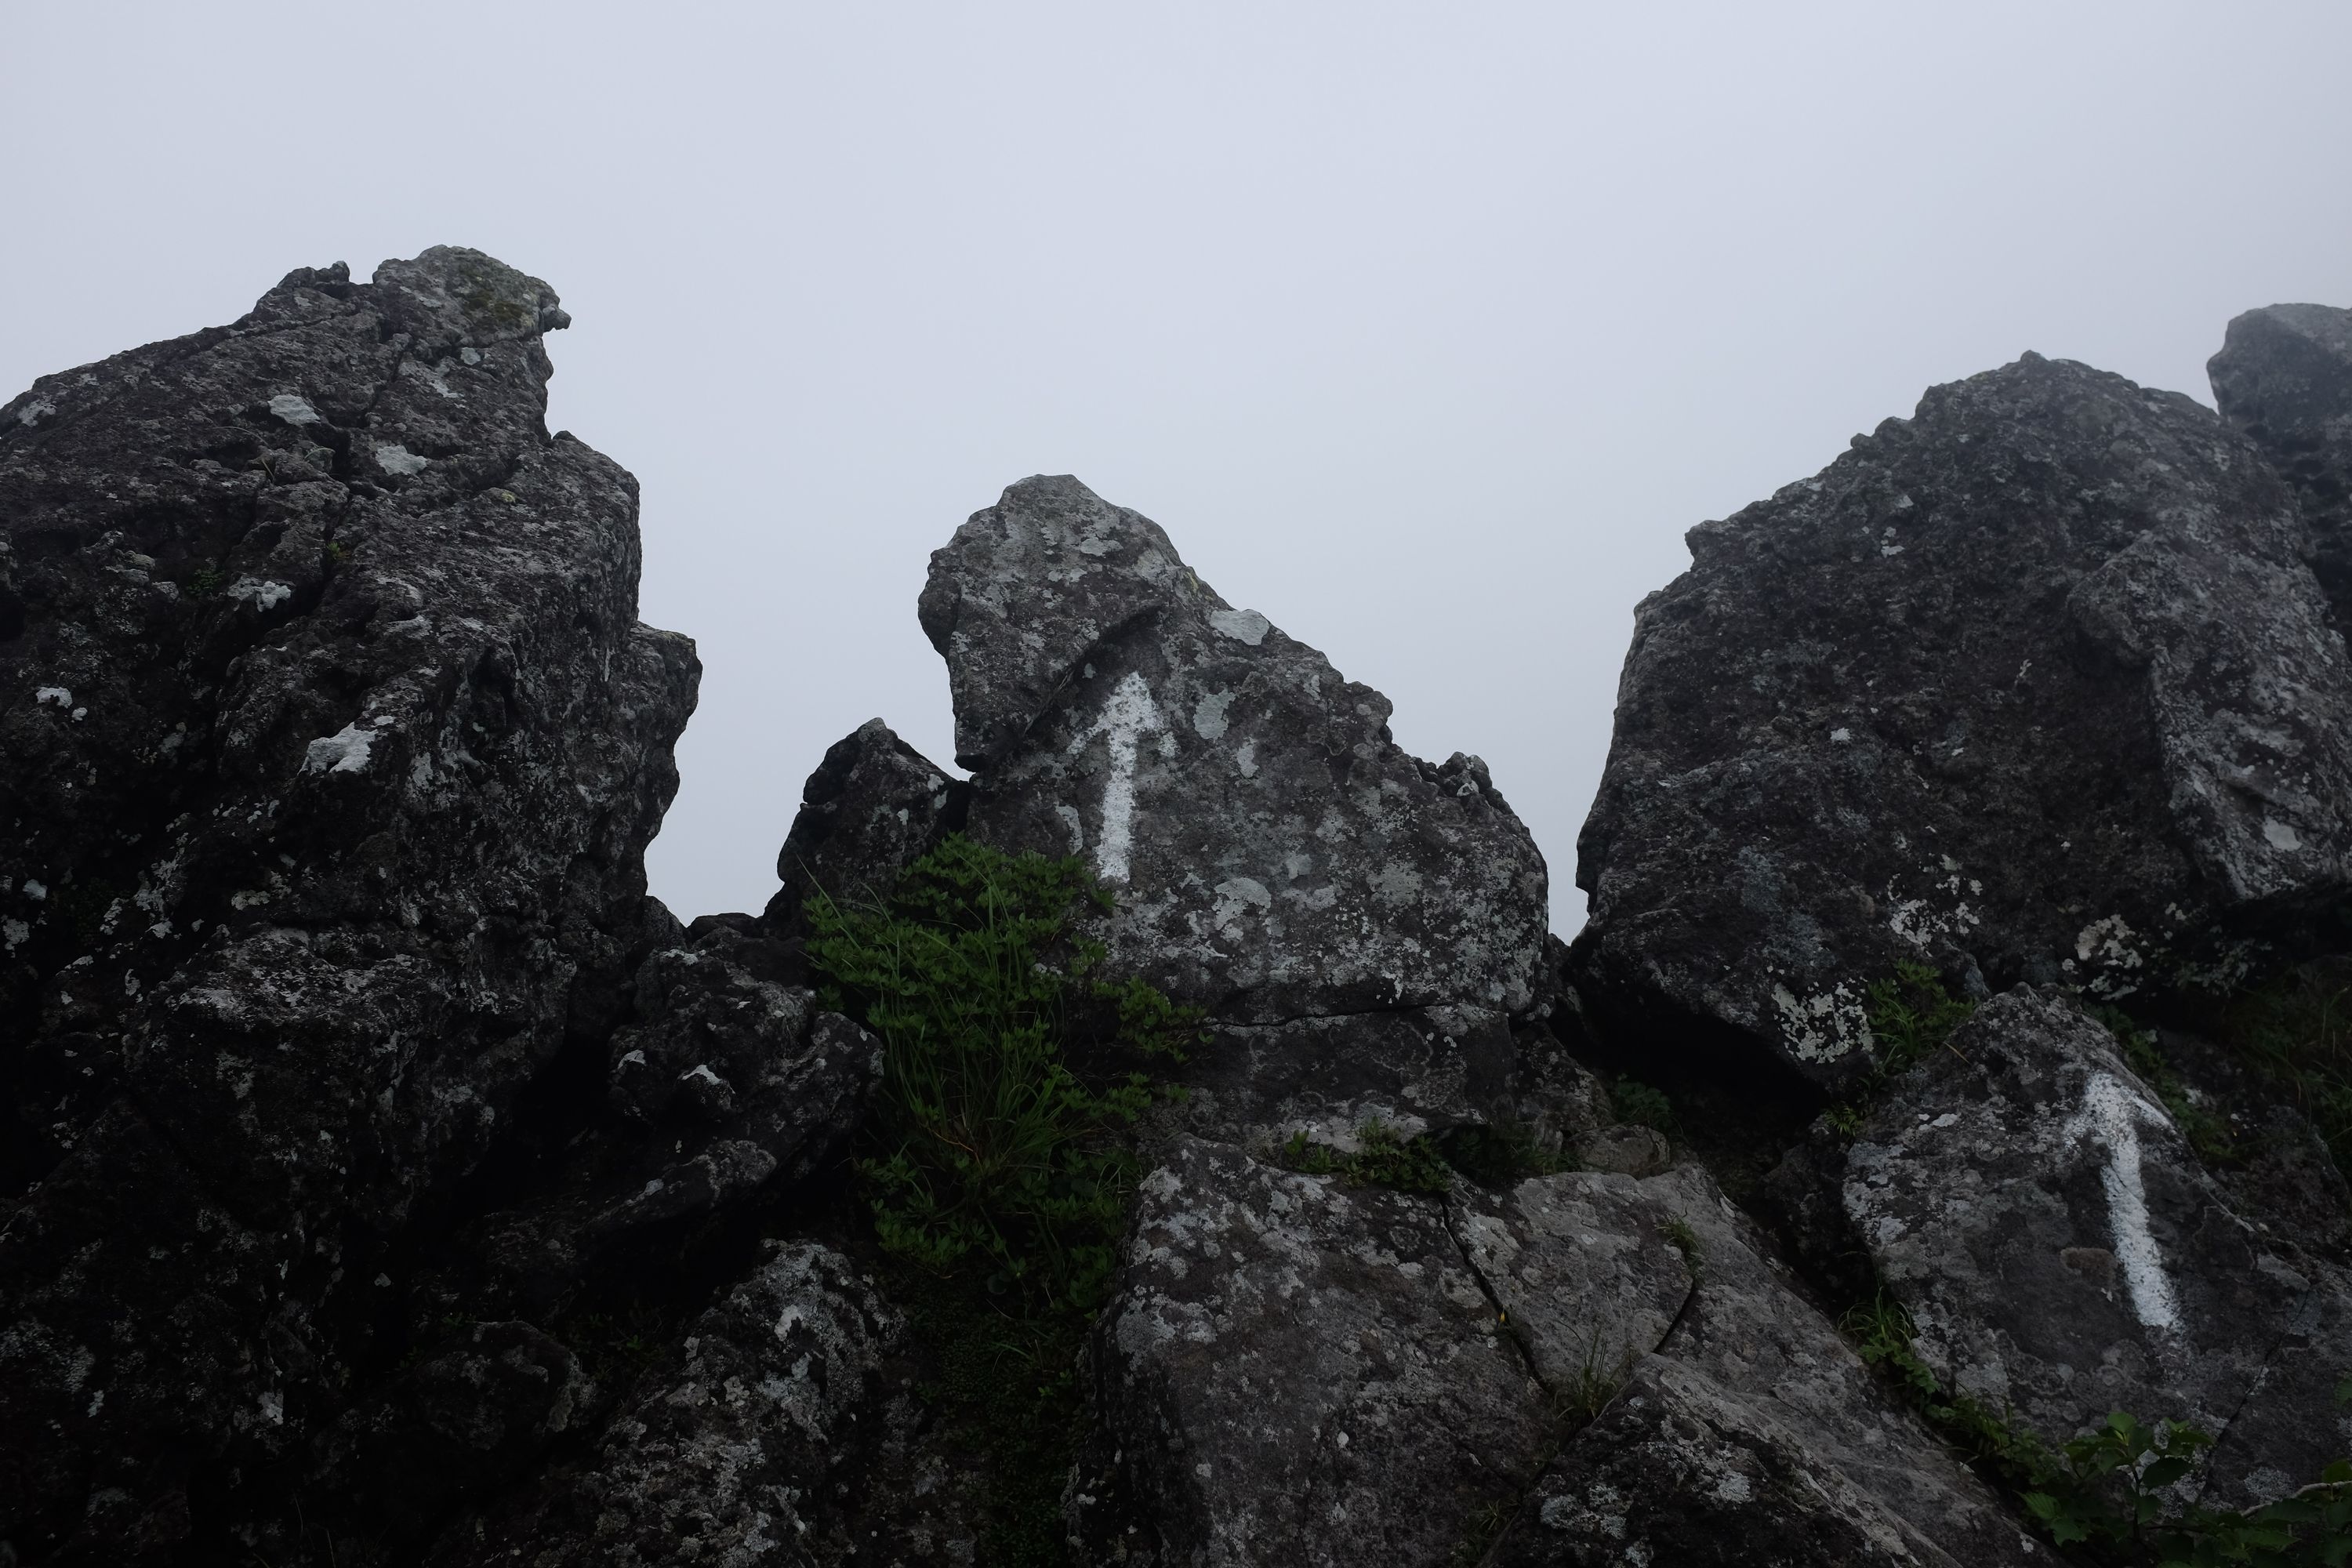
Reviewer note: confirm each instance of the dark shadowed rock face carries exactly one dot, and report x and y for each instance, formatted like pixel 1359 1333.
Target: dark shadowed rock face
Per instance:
pixel 330 744
pixel 2284 377
pixel 2064 1255
pixel 738 1454
pixel 1274 854
pixel 2035 686
pixel 874 807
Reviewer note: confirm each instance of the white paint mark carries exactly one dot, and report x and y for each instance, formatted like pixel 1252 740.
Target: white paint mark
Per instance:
pixel 344 752
pixel 394 459
pixel 1242 626
pixel 2110 1116
pixel 295 410
pixel 1129 712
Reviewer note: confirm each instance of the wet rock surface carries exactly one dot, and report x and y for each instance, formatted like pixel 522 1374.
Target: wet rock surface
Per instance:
pixel 874 807
pixel 2032 686
pixel 1274 854
pixel 2064 1255
pixel 2284 378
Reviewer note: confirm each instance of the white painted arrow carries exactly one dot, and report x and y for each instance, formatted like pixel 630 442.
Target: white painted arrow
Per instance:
pixel 1129 712
pixel 2111 1115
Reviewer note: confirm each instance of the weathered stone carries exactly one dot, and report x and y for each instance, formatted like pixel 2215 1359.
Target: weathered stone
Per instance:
pixel 1274 854
pixel 2033 686
pixel 330 744
pixel 1751 1330
pixel 2062 1254
pixel 871 809
pixel 1583 1266
pixel 458 1424
pixel 1678 1471
pixel 1628 1148
pixel 1295 1371
pixel 1425 1070
pixel 726 1083
pixel 744 1454
pixel 2284 377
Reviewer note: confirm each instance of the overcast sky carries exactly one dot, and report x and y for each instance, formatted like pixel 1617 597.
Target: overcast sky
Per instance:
pixel 1425 331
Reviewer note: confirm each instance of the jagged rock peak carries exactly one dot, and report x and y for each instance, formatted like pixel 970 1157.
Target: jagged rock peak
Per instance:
pixel 329 747
pixel 2284 377
pixel 2035 686
pixel 1277 853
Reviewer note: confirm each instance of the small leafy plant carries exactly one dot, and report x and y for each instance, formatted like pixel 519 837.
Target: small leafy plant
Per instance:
pixel 1911 1016
pixel 1635 1102
pixel 1381 1159
pixel 2208 1132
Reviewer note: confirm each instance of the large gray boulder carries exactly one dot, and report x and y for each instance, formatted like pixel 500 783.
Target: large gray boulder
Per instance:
pixel 329 745
pixel 2035 685
pixel 1295 1371
pixel 2284 377
pixel 2028 1200
pixel 873 806
pixel 1274 854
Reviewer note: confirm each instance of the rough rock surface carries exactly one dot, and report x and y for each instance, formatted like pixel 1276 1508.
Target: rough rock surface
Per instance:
pixel 873 807
pixel 330 744
pixel 2284 377
pixel 726 1081
pixel 1275 855
pixel 1678 1471
pixel 746 1454
pixel 2032 686
pixel 1295 1371
pixel 2063 1254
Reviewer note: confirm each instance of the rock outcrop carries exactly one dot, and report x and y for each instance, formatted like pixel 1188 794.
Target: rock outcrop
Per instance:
pixel 390 1181
pixel 2284 378
pixel 329 745
pixel 2033 686
pixel 2028 1199
pixel 1277 855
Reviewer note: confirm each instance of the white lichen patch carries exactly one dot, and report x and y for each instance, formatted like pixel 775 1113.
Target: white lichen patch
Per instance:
pixel 1242 626
pixel 1824 1027
pixel 1209 715
pixel 344 752
pixel 58 695
pixel 295 410
pixel 395 459
pixel 2279 836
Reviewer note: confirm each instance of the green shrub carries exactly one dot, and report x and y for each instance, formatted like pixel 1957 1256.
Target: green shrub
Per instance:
pixel 994 1165
pixel 1911 1016
pixel 1637 1102
pixel 2208 1132
pixel 1502 1154
pixel 990 1149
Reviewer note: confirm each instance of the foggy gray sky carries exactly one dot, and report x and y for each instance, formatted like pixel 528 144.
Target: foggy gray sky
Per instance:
pixel 1425 331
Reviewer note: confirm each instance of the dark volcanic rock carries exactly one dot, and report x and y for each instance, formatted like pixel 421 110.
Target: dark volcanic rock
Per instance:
pixel 2284 377
pixel 1275 855
pixel 744 1454
pixel 330 744
pixel 725 1082
pixel 874 807
pixel 2035 686
pixel 2063 1256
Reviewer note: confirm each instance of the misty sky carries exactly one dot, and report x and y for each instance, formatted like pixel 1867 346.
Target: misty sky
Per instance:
pixel 1425 331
